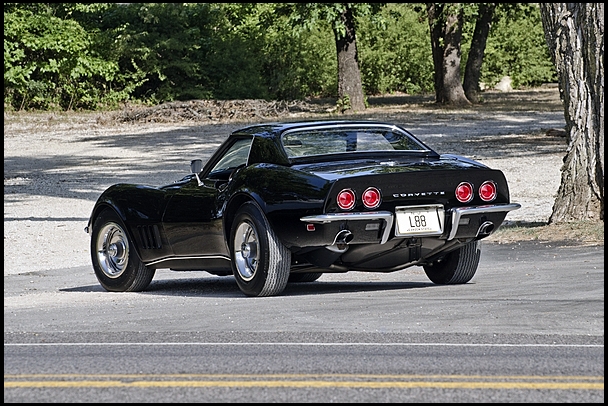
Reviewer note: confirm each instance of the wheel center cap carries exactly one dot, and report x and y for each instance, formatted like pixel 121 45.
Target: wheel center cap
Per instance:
pixel 112 250
pixel 245 250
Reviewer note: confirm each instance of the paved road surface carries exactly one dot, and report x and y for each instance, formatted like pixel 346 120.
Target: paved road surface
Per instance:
pixel 529 327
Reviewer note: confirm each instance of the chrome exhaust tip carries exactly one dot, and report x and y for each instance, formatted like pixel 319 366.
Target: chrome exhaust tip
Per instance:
pixel 486 228
pixel 343 237
pixel 341 241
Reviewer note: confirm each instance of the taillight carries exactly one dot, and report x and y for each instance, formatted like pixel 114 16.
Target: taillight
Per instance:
pixel 464 192
pixel 371 198
pixel 346 199
pixel 487 191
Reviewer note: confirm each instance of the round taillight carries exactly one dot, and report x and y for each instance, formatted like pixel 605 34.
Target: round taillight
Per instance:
pixel 487 191
pixel 464 192
pixel 371 198
pixel 346 199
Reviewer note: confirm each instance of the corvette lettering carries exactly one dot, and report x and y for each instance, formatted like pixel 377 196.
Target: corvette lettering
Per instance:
pixel 418 194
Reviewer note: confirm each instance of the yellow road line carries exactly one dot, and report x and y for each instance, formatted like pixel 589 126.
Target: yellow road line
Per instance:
pixel 304 380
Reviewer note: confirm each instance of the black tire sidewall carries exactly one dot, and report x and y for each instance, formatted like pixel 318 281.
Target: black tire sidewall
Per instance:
pixel 251 214
pixel 457 267
pixel 441 273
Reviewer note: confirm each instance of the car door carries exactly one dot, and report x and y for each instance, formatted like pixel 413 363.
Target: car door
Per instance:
pixel 193 217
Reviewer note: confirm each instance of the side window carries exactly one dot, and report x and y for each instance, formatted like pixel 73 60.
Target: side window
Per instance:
pixel 237 155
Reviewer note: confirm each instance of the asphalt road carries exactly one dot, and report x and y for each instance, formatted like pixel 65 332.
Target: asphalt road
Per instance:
pixel 529 327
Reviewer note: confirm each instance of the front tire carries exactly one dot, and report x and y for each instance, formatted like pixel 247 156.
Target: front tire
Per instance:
pixel 457 267
pixel 260 262
pixel 116 264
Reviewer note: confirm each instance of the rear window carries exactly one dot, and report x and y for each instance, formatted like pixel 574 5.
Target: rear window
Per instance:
pixel 322 141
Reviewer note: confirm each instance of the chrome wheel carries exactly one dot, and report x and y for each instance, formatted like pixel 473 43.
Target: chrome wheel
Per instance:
pixel 112 249
pixel 246 250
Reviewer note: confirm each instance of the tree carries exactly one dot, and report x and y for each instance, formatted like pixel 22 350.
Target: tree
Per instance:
pixel 574 33
pixel 350 88
pixel 342 17
pixel 445 22
pixel 472 71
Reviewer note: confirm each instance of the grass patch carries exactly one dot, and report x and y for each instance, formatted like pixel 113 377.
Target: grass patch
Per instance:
pixel 578 232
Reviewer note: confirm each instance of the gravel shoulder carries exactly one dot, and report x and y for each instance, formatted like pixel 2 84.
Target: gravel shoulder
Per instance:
pixel 57 164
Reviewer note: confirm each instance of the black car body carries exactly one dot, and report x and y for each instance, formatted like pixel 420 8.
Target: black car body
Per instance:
pixel 287 202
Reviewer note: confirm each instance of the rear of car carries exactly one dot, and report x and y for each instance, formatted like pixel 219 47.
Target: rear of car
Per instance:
pixel 393 201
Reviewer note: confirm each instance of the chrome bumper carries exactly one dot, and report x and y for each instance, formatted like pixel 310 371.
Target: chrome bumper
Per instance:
pixel 457 214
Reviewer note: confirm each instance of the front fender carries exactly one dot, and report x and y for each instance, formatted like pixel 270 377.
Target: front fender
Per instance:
pixel 136 205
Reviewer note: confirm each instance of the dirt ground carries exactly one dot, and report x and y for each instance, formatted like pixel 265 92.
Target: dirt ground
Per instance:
pixel 57 164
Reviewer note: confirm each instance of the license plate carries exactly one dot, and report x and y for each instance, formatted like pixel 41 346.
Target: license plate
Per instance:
pixel 419 220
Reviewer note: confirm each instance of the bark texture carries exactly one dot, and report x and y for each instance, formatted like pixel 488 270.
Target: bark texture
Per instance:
pixel 575 35
pixel 446 33
pixel 478 46
pixel 350 86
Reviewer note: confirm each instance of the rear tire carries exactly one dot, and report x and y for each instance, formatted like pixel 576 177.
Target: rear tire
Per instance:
pixel 116 264
pixel 260 262
pixel 457 267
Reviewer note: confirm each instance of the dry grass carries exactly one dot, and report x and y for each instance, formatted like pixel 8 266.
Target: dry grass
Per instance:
pixel 574 233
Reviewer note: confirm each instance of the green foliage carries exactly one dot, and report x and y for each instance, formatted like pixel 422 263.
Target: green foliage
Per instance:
pixel 396 57
pixel 51 64
pixel 61 56
pixel 303 17
pixel 295 65
pixel 343 104
pixel 165 42
pixel 233 65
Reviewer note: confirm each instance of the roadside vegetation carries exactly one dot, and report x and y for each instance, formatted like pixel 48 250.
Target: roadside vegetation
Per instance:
pixel 98 56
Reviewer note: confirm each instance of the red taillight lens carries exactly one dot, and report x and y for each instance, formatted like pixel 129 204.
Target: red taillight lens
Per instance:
pixel 487 191
pixel 346 199
pixel 371 198
pixel 464 192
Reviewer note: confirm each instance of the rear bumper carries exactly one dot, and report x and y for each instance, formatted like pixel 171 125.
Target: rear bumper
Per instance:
pixel 465 222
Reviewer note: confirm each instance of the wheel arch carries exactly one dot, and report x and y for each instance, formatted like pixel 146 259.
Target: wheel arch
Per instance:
pixel 233 206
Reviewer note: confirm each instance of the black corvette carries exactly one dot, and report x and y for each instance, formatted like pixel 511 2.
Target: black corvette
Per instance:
pixel 287 202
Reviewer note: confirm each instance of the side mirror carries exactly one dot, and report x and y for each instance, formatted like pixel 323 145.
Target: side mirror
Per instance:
pixel 196 166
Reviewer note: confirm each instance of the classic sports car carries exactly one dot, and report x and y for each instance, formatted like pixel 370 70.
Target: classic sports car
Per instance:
pixel 287 202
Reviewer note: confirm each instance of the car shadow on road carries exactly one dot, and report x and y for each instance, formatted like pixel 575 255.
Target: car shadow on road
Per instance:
pixel 227 287
pixel 320 287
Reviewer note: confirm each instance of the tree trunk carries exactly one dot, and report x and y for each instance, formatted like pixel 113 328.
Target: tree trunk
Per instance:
pixel 350 88
pixel 434 10
pixel 472 71
pixel 446 33
pixel 575 35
